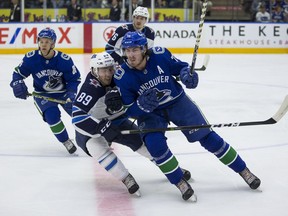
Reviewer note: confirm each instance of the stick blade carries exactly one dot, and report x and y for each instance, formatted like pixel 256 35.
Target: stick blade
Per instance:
pixel 205 63
pixel 282 110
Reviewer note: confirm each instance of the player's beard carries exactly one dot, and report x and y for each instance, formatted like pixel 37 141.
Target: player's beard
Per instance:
pixel 105 81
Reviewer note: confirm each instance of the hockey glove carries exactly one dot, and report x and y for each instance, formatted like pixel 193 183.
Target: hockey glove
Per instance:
pixel 107 130
pixel 20 89
pixel 113 101
pixel 189 80
pixel 69 97
pixel 148 101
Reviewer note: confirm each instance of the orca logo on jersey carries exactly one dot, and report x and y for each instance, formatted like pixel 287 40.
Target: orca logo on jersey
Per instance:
pixel 163 93
pixel 54 84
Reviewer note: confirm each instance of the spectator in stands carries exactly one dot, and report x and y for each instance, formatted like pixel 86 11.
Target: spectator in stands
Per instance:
pixel 262 15
pixel 40 4
pixel 5 4
pixel 15 12
pixel 255 6
pixel 161 4
pixel 282 3
pixel 91 4
pixel 176 4
pixel 115 11
pixel 278 14
pixel 58 3
pixel 74 12
pixel 246 4
pixel 147 3
pixel 134 5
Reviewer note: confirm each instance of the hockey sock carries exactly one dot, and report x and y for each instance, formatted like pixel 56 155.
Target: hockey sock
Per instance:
pixel 163 157
pixel 59 131
pixel 223 151
pixel 170 167
pixel 113 165
pixel 52 117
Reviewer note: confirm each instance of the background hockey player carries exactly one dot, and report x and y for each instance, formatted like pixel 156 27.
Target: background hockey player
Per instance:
pixel 54 75
pixel 150 91
pixel 140 17
pixel 96 126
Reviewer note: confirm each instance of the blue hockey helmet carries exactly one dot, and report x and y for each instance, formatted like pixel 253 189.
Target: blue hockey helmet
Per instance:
pixel 47 33
pixel 134 39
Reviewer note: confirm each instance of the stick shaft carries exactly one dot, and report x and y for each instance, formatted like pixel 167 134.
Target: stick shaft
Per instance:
pixel 47 98
pixel 201 23
pixel 274 119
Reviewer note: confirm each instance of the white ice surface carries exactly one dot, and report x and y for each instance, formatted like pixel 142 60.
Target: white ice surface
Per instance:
pixel 38 177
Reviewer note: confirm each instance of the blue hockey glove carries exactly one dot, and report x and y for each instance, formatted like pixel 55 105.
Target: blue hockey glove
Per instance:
pixel 69 97
pixel 107 130
pixel 148 100
pixel 190 81
pixel 20 89
pixel 113 101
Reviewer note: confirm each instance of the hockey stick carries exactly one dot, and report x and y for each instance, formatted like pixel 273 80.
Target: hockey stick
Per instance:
pixel 34 94
pixel 205 63
pixel 274 119
pixel 201 23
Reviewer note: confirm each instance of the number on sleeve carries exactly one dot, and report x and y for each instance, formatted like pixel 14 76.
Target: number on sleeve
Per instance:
pixel 84 98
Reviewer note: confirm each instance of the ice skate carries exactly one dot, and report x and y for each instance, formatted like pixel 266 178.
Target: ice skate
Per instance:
pixel 252 180
pixel 186 190
pixel 186 174
pixel 69 145
pixel 131 185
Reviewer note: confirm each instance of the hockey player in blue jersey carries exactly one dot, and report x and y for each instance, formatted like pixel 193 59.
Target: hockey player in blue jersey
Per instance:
pixel 151 94
pixel 140 18
pixel 54 75
pixel 96 126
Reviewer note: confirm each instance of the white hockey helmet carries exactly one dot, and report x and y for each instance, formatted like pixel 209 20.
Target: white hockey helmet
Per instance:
pixel 141 11
pixel 100 60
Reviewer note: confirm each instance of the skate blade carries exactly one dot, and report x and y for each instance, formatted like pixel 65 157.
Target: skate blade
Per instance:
pixel 191 180
pixel 137 193
pixel 193 198
pixel 75 154
pixel 259 190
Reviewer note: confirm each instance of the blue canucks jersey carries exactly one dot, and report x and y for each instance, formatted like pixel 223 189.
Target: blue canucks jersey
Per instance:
pixel 114 43
pixel 160 72
pixel 50 76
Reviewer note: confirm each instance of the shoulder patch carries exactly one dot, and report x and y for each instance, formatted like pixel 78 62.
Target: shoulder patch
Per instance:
pixel 158 50
pixel 94 83
pixel 65 56
pixel 30 54
pixel 119 73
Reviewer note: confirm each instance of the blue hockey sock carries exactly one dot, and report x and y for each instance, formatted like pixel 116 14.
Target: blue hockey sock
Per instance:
pixel 52 117
pixel 164 158
pixel 60 131
pixel 223 151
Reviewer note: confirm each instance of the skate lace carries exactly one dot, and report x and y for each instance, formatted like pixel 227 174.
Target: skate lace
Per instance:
pixel 68 144
pixel 129 181
pixel 182 186
pixel 247 176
